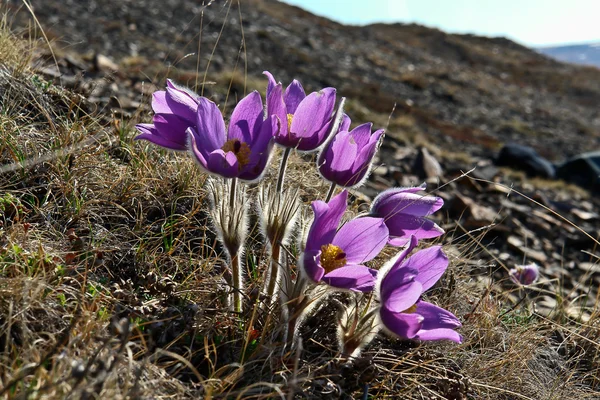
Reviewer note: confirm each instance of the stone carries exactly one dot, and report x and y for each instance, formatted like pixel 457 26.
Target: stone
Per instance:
pixel 582 170
pixel 525 159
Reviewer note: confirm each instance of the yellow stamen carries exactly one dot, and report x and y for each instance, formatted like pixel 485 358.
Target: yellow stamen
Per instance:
pixel 332 257
pixel 241 151
pixel 289 120
pixel 410 309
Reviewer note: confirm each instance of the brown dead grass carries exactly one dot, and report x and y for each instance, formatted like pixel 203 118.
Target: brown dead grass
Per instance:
pixel 111 286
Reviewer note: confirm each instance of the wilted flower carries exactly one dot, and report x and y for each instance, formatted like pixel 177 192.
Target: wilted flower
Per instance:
pixel 241 152
pixel 305 120
pixel 402 312
pixel 336 256
pixel 347 158
pixel 175 111
pixel 405 214
pixel 524 274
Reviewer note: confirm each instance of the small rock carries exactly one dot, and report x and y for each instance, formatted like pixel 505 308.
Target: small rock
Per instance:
pixel 526 159
pixel 105 64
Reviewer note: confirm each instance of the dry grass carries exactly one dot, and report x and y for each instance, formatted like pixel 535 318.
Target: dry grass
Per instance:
pixel 111 285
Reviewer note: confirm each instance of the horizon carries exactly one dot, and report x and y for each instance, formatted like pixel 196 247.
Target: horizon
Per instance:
pixel 535 24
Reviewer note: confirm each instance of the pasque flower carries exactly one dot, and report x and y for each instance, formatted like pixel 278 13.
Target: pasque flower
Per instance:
pixel 524 274
pixel 244 149
pixel 402 312
pixel 305 120
pixel 405 213
pixel 347 158
pixel 336 256
pixel 175 111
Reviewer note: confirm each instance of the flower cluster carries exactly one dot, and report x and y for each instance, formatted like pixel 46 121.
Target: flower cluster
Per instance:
pixel 336 255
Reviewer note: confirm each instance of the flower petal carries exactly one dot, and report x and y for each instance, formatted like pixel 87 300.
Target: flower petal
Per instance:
pixel 272 82
pixel 173 128
pixel 327 219
pixel 401 324
pixel 343 153
pixel 313 113
pixel 312 269
pixel 384 197
pixel 403 225
pixel 201 157
pixel 436 317
pixel 353 277
pixel 431 264
pixel 276 106
pixel 151 134
pixel 294 94
pixel 246 119
pixel 224 164
pixel 402 297
pixel 261 150
pixel 181 102
pixel 345 123
pixel 439 334
pixel 398 274
pixel 210 127
pixel 361 239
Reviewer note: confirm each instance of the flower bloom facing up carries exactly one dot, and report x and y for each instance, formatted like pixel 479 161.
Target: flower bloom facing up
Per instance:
pixel 402 312
pixel 347 158
pixel 244 149
pixel 335 256
pixel 174 112
pixel 405 212
pixel 305 120
pixel 524 274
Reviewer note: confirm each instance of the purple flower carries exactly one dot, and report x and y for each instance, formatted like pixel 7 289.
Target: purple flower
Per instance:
pixel 305 120
pixel 524 274
pixel 402 312
pixel 346 160
pixel 405 214
pixel 336 256
pixel 175 111
pixel 240 152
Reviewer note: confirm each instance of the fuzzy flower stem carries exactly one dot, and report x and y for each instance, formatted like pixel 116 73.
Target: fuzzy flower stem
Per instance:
pixel 330 193
pixel 276 248
pixel 237 283
pixel 232 193
pixel 284 159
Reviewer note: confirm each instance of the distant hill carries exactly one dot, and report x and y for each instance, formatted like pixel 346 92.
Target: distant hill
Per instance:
pixel 462 92
pixel 585 54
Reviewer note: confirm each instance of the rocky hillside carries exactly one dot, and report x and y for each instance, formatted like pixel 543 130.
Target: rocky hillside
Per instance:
pixel 460 91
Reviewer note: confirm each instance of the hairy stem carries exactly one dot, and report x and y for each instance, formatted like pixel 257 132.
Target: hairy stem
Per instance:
pixel 274 272
pixel 237 282
pixel 282 167
pixel 330 193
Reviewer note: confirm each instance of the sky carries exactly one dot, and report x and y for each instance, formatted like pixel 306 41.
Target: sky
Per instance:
pixel 534 23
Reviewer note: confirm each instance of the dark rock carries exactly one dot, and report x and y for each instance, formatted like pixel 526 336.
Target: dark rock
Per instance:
pixel 525 159
pixel 582 170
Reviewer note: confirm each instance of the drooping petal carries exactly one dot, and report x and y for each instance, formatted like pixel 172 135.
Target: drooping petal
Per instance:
pixel 150 133
pixel 353 277
pixel 400 298
pixel 436 317
pixel 223 163
pixel 410 203
pixel 401 324
pixel 402 226
pixel 210 126
pixel 362 239
pixel 173 128
pixel 294 94
pixel 327 219
pixel 431 264
pixel 246 119
pixel 439 334
pixel 384 196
